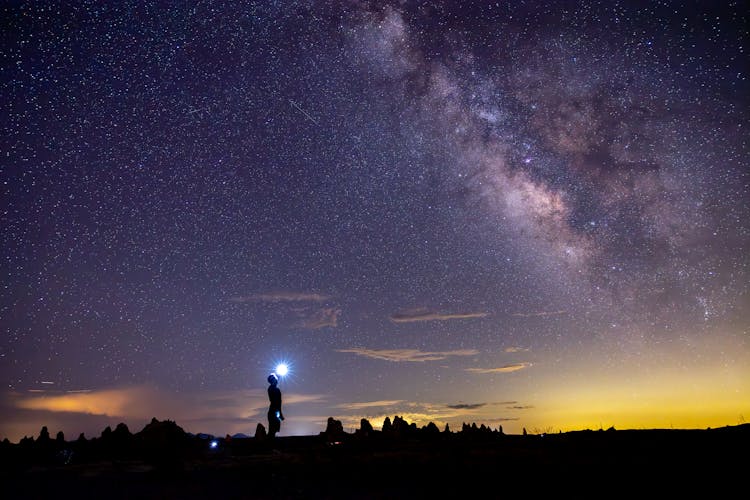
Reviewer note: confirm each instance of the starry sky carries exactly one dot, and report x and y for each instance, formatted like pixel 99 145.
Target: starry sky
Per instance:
pixel 526 214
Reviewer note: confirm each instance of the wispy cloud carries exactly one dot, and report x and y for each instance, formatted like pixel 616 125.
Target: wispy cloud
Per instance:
pixel 113 402
pixel 214 412
pixel 424 315
pixel 501 369
pixel 282 297
pixel 414 355
pixel 322 317
pixel 539 314
pixel 146 402
pixel 476 406
pixel 369 404
pixel 465 406
pixel 517 349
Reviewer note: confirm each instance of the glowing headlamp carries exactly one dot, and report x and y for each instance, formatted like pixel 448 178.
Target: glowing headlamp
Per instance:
pixel 281 369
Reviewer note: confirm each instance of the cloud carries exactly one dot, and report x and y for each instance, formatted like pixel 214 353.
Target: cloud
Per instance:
pixel 414 355
pixel 464 406
pixel 144 401
pixel 208 411
pixel 368 404
pixel 322 318
pixel 517 349
pixel 281 297
pixel 422 315
pixel 112 403
pixel 502 369
pixel 476 406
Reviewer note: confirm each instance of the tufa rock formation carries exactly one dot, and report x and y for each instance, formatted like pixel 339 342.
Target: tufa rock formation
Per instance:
pixel 260 432
pixel 334 430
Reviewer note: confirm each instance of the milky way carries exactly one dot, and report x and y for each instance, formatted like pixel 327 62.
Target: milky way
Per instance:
pixel 512 213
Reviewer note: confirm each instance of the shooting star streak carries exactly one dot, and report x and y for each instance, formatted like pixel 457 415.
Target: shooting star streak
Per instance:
pixel 303 112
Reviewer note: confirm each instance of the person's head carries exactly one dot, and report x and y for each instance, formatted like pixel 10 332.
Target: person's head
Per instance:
pixel 273 379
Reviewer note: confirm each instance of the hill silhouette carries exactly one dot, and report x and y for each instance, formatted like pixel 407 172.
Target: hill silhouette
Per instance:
pixel 400 460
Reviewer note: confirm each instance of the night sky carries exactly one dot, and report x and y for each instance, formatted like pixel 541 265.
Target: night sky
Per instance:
pixel 524 214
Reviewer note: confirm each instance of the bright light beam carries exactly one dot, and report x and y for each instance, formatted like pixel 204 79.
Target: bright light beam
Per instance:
pixel 281 369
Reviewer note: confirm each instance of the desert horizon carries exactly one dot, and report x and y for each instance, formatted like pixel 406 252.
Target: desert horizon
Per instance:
pixel 221 411
pixel 398 461
pixel 348 426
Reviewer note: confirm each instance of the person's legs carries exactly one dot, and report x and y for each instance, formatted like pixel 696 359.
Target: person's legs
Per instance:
pixel 274 424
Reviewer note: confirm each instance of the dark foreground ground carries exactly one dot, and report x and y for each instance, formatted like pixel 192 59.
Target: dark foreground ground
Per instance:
pixel 594 464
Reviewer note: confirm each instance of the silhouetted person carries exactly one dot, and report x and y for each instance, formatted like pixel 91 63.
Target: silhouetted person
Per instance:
pixel 275 416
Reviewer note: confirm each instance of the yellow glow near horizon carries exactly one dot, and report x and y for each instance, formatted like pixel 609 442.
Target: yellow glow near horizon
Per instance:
pixel 663 398
pixel 116 402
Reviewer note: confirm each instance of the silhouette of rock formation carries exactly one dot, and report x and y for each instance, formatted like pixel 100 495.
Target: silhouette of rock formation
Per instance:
pixel 387 426
pixel 163 443
pixel 260 432
pixel 431 429
pixel 43 436
pixel 334 430
pixel 399 428
pixel 121 431
pixel 365 429
pixel 379 467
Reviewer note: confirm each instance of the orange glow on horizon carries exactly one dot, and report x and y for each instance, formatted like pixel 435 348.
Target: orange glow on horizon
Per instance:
pixel 115 402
